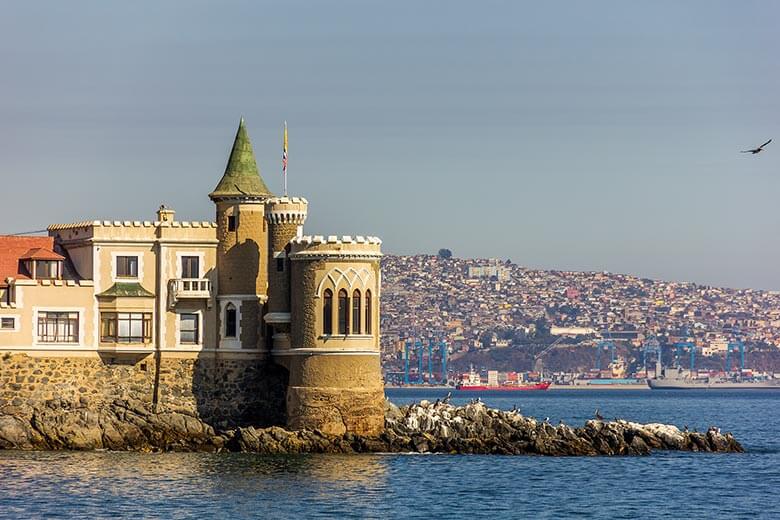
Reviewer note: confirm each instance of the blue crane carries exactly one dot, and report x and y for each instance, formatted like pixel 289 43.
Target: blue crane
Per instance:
pixel 735 346
pixel 418 348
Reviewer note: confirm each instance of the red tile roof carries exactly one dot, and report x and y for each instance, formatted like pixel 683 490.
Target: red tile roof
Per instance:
pixel 39 253
pixel 13 248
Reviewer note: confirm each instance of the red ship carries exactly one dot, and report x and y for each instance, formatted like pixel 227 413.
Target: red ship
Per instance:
pixel 544 385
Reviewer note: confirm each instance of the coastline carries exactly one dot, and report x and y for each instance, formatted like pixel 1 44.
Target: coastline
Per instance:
pixel 452 389
pixel 424 427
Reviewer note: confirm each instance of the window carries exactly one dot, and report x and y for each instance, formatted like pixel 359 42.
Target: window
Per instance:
pixel 188 329
pixel 231 223
pixel 190 267
pixel 126 327
pixel 7 323
pixel 343 310
pixel 356 312
pixel 47 269
pixel 231 325
pixel 127 267
pixel 327 312
pixel 58 327
pixel 280 265
pixel 368 312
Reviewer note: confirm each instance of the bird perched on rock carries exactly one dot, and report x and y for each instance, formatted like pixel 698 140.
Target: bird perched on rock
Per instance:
pixel 447 399
pixel 756 150
pixel 598 415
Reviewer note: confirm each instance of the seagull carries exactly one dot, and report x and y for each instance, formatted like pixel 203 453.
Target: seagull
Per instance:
pixel 598 415
pixel 756 150
pixel 447 399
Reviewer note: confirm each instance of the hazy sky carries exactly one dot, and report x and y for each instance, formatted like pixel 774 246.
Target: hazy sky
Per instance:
pixel 569 135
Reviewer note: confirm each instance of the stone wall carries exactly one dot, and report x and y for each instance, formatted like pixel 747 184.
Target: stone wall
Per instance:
pixel 222 391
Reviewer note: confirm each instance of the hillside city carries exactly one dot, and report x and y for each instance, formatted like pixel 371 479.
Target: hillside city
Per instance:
pixel 497 315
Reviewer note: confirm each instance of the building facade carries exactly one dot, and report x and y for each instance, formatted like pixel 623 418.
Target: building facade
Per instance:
pixel 242 320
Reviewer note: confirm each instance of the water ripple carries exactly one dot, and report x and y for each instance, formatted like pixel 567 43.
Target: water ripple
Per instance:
pixel 196 485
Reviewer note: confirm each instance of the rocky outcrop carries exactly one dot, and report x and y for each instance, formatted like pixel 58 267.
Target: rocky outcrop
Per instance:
pixel 423 427
pixel 475 428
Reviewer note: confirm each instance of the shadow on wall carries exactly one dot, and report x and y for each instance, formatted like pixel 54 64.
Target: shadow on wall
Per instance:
pixel 230 391
pixel 241 258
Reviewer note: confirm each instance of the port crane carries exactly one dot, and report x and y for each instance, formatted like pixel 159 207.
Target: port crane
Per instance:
pixel 538 364
pixel 737 346
pixel 419 349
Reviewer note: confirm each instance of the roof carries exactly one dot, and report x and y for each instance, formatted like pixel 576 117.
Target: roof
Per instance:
pixel 40 253
pixel 242 176
pixel 14 248
pixel 126 289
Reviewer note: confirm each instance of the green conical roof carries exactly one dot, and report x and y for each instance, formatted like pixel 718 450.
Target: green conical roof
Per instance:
pixel 242 176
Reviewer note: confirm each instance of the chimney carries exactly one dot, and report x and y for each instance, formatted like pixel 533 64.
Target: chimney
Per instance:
pixel 165 214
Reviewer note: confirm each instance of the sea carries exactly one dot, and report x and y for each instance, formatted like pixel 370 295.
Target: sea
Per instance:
pixel 230 485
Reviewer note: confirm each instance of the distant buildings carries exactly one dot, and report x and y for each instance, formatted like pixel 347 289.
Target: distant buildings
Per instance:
pixel 463 301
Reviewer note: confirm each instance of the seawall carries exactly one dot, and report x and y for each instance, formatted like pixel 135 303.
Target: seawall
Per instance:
pixel 224 390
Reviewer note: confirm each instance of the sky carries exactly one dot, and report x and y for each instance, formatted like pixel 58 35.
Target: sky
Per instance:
pixel 600 135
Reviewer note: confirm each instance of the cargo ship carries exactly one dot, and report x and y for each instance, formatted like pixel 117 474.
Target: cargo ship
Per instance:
pixel 544 385
pixel 679 379
pixel 473 383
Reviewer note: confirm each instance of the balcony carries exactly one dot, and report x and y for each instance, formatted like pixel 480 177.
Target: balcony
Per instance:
pixel 188 289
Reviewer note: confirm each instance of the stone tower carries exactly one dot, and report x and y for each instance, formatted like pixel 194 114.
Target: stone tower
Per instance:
pixel 335 383
pixel 242 254
pixel 285 217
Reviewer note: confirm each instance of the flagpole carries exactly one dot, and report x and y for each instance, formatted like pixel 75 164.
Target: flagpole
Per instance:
pixel 284 159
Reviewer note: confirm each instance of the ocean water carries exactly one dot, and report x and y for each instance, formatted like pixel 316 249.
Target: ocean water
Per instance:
pixel 663 485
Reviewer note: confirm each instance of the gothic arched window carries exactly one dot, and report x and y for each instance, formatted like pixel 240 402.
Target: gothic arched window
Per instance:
pixel 231 324
pixel 356 301
pixel 327 312
pixel 368 312
pixel 343 312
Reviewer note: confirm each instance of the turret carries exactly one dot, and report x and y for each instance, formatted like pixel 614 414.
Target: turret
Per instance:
pixel 335 380
pixel 242 255
pixel 285 217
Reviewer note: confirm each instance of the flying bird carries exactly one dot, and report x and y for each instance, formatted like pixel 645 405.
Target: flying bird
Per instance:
pixel 756 150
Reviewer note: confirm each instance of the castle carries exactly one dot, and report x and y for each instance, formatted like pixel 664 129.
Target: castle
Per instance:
pixel 242 320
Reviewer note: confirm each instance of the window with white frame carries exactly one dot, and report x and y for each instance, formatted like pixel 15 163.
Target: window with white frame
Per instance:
pixel 127 267
pixel 58 327
pixel 188 329
pixel 190 267
pixel 8 323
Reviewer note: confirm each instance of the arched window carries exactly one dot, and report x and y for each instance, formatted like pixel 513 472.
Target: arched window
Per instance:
pixel 356 301
pixel 231 324
pixel 368 312
pixel 327 312
pixel 343 310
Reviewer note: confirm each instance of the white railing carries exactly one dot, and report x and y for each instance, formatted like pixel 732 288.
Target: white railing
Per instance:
pixel 188 288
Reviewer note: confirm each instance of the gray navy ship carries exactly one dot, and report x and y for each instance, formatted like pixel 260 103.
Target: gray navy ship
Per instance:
pixel 679 379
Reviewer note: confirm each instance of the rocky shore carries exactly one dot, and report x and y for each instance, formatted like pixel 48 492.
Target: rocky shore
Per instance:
pixel 424 428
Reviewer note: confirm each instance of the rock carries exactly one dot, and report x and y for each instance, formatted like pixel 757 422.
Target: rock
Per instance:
pixel 423 428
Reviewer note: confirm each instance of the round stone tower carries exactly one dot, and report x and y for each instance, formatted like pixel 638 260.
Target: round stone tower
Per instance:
pixel 285 217
pixel 242 255
pixel 335 382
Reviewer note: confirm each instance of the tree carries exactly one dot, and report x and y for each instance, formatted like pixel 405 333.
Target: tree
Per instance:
pixel 445 253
